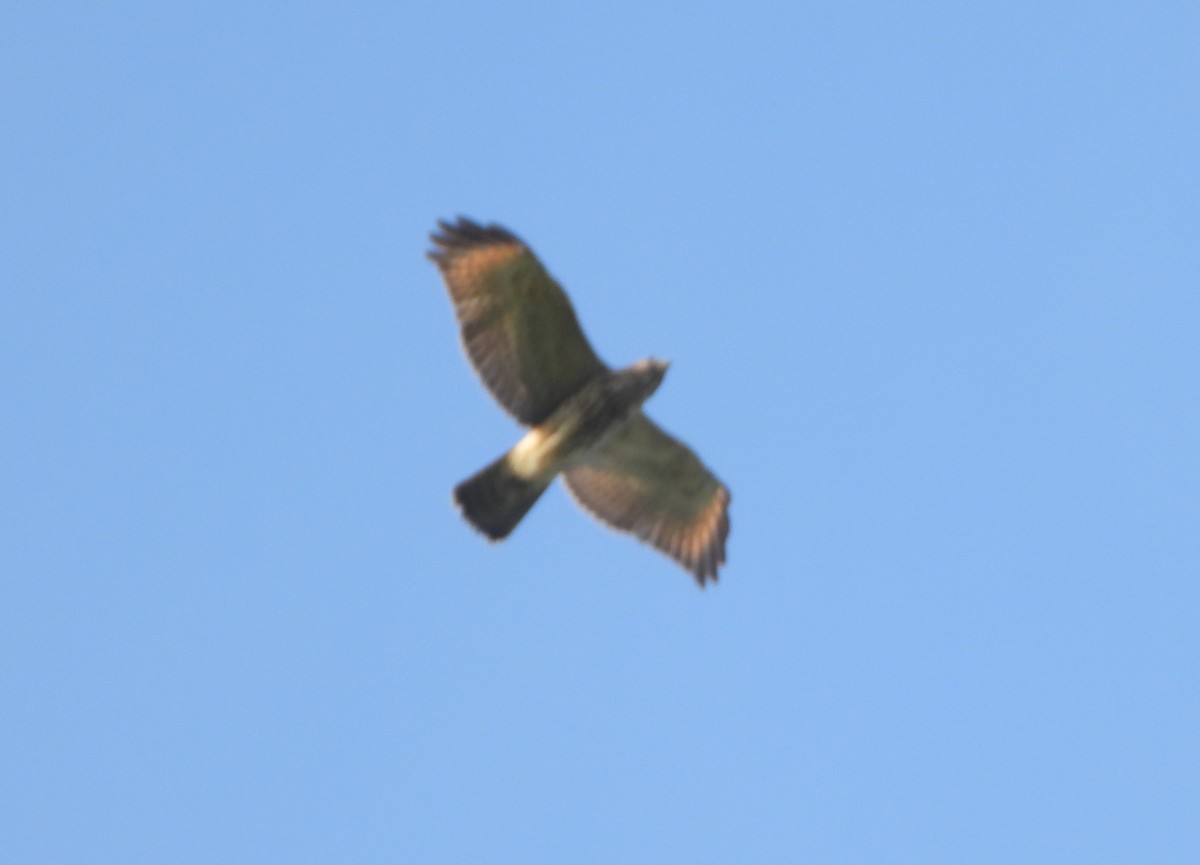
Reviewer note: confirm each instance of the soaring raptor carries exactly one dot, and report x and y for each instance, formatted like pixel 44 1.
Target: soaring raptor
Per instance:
pixel 585 420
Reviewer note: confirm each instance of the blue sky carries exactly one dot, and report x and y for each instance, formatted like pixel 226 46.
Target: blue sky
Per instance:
pixel 928 278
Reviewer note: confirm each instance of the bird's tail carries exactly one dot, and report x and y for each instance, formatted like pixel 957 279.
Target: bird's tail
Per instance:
pixel 495 499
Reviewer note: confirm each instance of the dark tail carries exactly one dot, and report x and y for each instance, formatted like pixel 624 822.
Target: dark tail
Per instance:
pixel 495 499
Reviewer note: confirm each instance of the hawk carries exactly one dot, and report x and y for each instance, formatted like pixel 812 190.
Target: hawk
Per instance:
pixel 585 420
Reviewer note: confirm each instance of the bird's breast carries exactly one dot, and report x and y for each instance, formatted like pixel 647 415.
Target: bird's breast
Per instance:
pixel 582 422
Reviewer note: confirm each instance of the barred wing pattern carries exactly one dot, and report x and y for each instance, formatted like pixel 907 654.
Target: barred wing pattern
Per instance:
pixel 518 326
pixel 647 483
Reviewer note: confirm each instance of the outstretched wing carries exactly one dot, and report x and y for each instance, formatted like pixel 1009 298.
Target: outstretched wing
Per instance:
pixel 645 482
pixel 517 325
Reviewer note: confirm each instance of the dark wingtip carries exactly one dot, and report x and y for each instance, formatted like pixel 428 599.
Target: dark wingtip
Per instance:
pixel 464 233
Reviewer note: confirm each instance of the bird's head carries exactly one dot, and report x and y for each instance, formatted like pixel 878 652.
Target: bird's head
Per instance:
pixel 648 374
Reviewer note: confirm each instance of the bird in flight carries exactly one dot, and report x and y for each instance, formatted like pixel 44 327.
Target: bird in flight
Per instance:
pixel 585 419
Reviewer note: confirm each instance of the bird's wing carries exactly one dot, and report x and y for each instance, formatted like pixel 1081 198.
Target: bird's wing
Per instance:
pixel 517 325
pixel 645 482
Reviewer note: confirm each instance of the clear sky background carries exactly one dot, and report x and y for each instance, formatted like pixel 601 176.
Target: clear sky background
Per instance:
pixel 929 277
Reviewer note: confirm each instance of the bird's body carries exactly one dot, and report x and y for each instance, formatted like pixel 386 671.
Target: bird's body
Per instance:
pixel 495 499
pixel 585 419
